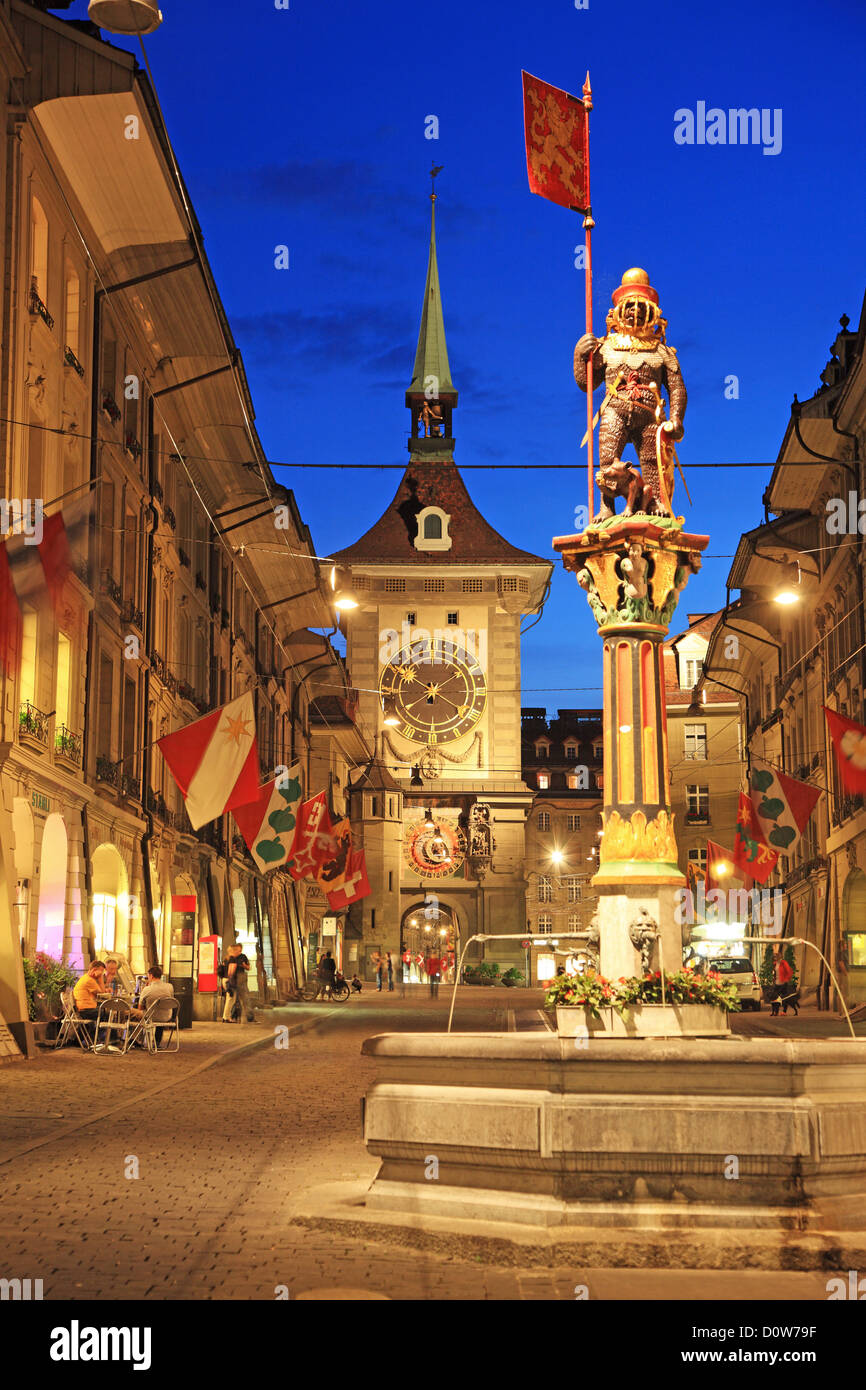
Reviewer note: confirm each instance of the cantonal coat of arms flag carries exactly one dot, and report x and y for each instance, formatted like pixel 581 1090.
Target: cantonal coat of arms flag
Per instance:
pixel 557 157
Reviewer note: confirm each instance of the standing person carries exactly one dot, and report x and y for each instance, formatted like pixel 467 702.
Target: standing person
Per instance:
pixel 261 977
pixel 328 967
pixel 236 985
pixel 380 973
pixel 432 968
pixel 782 974
pixel 390 974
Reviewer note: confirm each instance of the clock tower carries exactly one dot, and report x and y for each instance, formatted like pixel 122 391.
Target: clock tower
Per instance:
pixel 434 650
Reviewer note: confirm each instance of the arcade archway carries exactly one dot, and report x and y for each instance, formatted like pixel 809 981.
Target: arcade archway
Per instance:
pixel 429 928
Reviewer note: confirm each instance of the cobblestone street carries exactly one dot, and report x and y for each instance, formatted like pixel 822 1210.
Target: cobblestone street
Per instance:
pixel 187 1176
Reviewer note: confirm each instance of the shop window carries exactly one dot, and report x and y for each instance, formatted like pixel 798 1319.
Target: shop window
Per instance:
pixel 104 923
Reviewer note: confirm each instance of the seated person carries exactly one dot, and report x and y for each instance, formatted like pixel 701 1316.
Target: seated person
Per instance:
pixel 156 988
pixel 112 983
pixel 89 991
pixel 356 983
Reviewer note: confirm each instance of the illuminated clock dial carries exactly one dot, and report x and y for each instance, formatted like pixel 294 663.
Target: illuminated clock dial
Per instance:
pixel 437 689
pixel 433 851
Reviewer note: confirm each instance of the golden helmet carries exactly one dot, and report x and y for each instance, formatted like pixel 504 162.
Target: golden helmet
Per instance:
pixel 636 307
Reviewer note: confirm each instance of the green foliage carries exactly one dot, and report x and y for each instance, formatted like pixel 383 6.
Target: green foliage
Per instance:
pixel 513 975
pixel 594 992
pixel 766 975
pixel 586 991
pixel 681 987
pixel 44 978
pixel 488 969
pixel 789 956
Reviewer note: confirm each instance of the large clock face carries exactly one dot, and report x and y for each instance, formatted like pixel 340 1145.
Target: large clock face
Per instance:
pixel 433 851
pixel 439 692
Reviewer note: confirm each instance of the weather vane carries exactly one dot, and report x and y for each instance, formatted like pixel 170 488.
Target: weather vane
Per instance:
pixel 434 170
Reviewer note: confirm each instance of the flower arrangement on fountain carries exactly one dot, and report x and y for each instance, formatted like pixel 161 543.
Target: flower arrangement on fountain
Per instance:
pixel 593 992
pixel 680 987
pixel 587 991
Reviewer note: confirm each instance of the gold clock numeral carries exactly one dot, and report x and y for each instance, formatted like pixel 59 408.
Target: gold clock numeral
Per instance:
pixel 407 731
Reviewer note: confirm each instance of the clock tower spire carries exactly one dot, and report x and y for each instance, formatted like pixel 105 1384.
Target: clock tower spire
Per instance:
pixel 431 396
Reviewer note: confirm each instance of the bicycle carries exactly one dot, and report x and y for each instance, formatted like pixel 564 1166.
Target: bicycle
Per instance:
pixel 338 993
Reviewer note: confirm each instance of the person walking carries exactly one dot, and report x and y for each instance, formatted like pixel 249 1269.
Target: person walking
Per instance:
pixel 432 968
pixel 236 985
pixel 380 973
pixel 390 974
pixel 328 968
pixel 782 974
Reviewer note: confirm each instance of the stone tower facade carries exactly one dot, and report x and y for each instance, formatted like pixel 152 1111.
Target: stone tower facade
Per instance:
pixel 434 650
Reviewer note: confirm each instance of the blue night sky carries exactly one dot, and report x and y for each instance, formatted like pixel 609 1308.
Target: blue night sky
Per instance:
pixel 306 127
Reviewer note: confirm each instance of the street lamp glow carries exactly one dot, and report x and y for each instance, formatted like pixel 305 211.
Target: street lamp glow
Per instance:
pixel 625 728
pixel 556 856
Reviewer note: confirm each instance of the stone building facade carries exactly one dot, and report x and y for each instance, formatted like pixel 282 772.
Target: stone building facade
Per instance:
pixel 125 407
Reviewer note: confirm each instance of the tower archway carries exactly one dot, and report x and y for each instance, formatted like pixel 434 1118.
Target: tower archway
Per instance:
pixel 429 927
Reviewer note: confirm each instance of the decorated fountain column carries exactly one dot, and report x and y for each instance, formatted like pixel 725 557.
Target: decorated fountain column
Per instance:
pixel 633 570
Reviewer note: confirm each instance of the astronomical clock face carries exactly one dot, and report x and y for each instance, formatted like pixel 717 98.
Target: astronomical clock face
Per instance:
pixel 433 851
pixel 439 692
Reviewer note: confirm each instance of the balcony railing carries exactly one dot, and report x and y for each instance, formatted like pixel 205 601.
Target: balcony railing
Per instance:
pixel 170 518
pixel 156 804
pixel 38 308
pixel 111 587
pixel 111 408
pixel 199 581
pixel 130 786
pixel 157 491
pixel 211 834
pixel 33 723
pixel 132 446
pixel 67 745
pixel 186 691
pixel 132 615
pixel 108 772
pixel 72 361
pixel 696 755
pixel 183 557
pixel 697 818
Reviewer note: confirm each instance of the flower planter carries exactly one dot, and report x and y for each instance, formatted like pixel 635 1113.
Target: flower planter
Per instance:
pixel 574 1021
pixel 646 1021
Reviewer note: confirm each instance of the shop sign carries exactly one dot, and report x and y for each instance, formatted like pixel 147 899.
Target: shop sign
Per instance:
pixel 40 802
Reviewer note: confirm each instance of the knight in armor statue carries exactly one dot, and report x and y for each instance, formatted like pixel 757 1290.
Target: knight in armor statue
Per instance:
pixel 636 365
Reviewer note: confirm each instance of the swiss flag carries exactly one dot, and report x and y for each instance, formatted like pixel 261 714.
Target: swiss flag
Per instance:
pixel 215 760
pixel 356 884
pixel 313 841
pixel 720 867
pixel 849 741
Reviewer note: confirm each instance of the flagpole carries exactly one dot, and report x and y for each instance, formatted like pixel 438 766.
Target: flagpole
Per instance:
pixel 588 225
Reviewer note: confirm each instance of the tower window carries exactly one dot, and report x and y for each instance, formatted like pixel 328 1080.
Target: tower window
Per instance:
pixel 473 586
pixel 411 619
pixel 395 586
pixel 453 619
pixel 434 586
pixel 432 531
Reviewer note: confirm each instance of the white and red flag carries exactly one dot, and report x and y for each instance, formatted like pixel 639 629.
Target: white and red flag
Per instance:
pixel 783 806
pixel 356 885
pixel 849 741
pixel 268 824
pixel 215 760
pixel 314 838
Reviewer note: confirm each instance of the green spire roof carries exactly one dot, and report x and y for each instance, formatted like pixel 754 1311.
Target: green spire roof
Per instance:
pixel 431 357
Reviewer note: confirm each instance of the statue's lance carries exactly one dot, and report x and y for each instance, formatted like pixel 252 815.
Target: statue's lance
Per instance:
pixel 557 163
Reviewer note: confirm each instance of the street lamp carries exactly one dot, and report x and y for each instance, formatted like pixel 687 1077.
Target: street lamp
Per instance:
pixel 790 591
pixel 390 717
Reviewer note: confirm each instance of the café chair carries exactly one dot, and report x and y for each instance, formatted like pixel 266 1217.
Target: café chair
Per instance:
pixel 114 1018
pixel 72 1025
pixel 162 1013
